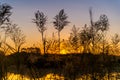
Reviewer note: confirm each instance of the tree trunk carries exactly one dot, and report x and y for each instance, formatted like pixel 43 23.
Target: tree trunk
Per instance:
pixel 43 42
pixel 18 49
pixel 59 40
pixel 103 44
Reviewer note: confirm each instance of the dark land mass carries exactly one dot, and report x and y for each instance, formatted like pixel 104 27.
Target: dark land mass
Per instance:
pixel 71 66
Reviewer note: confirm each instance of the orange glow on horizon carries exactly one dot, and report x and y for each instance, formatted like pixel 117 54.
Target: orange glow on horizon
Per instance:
pixel 63 51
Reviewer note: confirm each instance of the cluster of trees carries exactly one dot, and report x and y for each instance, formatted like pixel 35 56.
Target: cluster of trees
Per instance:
pixel 90 39
pixel 60 21
pixel 94 38
pixel 9 30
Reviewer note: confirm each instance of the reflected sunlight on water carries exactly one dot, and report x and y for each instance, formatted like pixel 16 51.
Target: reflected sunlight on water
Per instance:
pixel 12 76
pixel 50 76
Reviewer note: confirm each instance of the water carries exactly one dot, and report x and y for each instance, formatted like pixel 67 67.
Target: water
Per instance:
pixel 51 76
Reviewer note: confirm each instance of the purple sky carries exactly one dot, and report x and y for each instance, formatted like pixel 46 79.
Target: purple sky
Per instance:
pixel 77 10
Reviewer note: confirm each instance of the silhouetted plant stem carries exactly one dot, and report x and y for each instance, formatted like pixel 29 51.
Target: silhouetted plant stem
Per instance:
pixel 59 40
pixel 43 42
pixel 59 23
pixel 40 20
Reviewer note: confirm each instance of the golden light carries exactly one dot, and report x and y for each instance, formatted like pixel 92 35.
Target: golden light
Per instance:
pixel 63 51
pixel 50 76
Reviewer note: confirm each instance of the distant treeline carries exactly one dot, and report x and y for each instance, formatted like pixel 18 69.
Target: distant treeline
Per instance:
pixel 92 38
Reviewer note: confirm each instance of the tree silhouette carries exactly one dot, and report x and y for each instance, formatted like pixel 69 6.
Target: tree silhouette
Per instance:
pixel 52 46
pixel 103 25
pixel 115 43
pixel 40 20
pixel 5 12
pixel 16 35
pixel 74 38
pixel 98 29
pixel 60 22
pixel 85 38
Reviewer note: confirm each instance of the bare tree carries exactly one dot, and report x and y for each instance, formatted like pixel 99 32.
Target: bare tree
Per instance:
pixel 52 46
pixel 115 44
pixel 40 20
pixel 90 36
pixel 98 28
pixel 16 35
pixel 103 25
pixel 85 38
pixel 74 38
pixel 5 12
pixel 60 22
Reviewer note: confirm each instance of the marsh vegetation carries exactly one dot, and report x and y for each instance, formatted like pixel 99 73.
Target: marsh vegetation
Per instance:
pixel 88 54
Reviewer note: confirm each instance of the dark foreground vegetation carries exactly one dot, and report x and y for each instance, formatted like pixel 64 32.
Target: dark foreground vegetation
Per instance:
pixel 71 66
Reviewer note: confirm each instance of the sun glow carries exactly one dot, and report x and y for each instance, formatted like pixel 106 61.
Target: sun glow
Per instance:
pixel 63 51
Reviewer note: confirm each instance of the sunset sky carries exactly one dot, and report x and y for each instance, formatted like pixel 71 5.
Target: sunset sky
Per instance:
pixel 77 10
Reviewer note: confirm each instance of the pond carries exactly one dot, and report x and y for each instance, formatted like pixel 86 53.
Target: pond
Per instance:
pixel 52 76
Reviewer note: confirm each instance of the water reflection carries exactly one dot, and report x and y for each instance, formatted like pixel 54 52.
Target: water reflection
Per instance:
pixel 50 76
pixel 112 76
pixel 12 76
